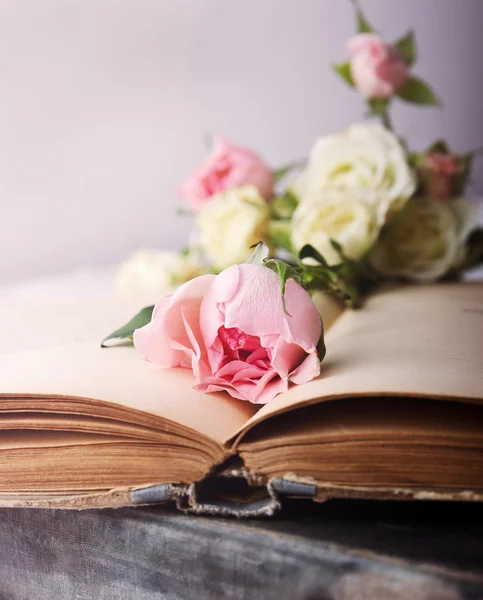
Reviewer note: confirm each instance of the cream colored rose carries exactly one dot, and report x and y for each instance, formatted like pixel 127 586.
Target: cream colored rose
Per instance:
pixel 426 240
pixel 337 215
pixel 156 271
pixel 229 223
pixel 365 157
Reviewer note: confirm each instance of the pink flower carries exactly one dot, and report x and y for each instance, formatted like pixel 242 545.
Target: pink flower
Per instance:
pixel 231 329
pixel 443 175
pixel 378 69
pixel 227 167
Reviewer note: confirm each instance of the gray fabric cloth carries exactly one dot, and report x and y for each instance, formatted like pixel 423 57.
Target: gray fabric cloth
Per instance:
pixel 338 551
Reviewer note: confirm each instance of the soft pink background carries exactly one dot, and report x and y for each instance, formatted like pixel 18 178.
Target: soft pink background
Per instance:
pixel 104 103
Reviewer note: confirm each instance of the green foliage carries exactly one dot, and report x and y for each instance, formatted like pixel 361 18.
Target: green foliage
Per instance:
pixel 284 272
pixel 439 146
pixel 349 280
pixel 281 172
pixel 321 349
pixel 407 47
pixel 458 180
pixel 344 70
pixel 279 235
pixel 283 206
pixel 474 250
pixel 363 26
pixel 378 106
pixel 415 159
pixel 126 332
pixel 417 91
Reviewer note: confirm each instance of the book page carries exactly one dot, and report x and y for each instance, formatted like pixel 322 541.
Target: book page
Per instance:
pixel 53 349
pixel 420 340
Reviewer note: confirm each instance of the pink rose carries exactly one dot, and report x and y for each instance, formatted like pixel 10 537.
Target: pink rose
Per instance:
pixel 378 69
pixel 443 175
pixel 231 329
pixel 227 167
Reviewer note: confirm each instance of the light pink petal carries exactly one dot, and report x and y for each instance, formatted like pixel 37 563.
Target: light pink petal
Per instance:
pixel 258 392
pixel 254 307
pixel 263 390
pixel 227 166
pixel 308 370
pixel 211 385
pixel 257 355
pixel 221 146
pixel 211 312
pixel 194 289
pixel 164 341
pixel 191 319
pixel 235 366
pixel 226 284
pixel 394 72
pixel 155 344
pixel 216 355
pixel 304 326
pixel 249 373
pixel 249 169
pixel 286 357
pixel 273 388
pixel 361 42
pixel 367 80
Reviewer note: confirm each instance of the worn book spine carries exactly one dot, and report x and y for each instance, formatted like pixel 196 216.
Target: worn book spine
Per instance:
pixel 233 491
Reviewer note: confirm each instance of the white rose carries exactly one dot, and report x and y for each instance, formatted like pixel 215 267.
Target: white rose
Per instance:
pixel 229 223
pixel 337 215
pixel 426 240
pixel 156 271
pixel 365 157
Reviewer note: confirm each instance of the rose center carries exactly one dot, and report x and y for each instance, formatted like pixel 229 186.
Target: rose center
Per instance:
pixel 233 337
pixel 239 345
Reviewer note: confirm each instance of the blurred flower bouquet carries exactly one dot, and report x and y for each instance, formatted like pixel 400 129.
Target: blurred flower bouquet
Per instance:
pixel 362 209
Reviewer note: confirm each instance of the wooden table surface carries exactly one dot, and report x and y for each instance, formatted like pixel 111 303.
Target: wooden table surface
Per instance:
pixel 339 550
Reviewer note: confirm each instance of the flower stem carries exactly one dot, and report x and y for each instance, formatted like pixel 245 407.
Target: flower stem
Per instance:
pixel 386 120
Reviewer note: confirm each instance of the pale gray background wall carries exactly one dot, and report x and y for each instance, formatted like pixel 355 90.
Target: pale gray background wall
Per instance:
pixel 103 105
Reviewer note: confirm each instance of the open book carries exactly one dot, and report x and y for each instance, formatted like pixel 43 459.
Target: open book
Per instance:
pixel 396 413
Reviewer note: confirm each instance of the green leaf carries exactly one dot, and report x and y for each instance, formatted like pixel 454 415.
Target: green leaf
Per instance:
pixel 337 247
pixel 280 173
pixel 415 159
pixel 321 349
pixel 474 250
pixel 439 146
pixel 259 255
pixel 417 91
pixel 283 207
pixel 284 272
pixel 344 70
pixel 348 280
pixel 279 234
pixel 407 47
pixel 309 251
pixel 378 106
pixel 363 26
pixel 125 332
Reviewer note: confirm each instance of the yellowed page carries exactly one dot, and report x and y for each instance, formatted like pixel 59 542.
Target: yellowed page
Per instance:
pixel 53 349
pixel 417 340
